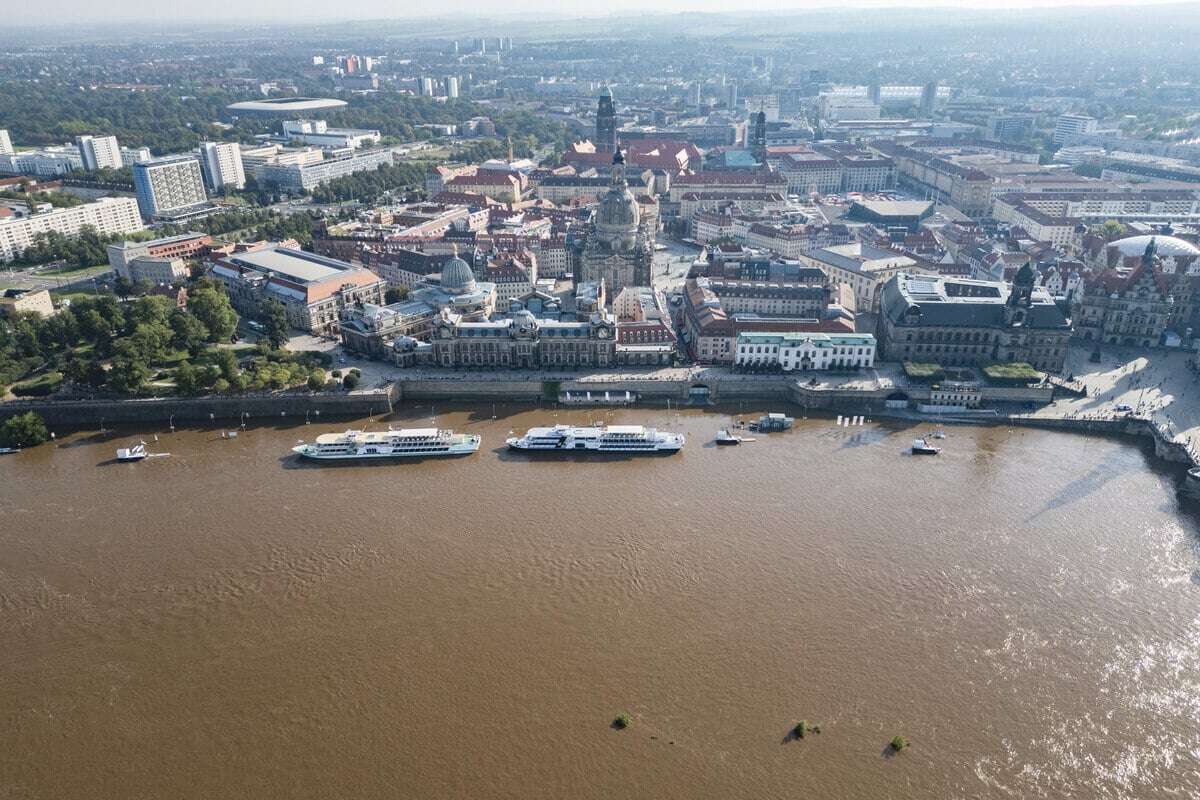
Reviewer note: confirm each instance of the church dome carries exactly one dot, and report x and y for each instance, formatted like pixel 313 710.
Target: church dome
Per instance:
pixel 1165 246
pixel 457 277
pixel 618 210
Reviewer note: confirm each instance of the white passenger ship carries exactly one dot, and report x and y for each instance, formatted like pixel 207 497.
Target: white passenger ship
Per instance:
pixel 406 443
pixel 604 439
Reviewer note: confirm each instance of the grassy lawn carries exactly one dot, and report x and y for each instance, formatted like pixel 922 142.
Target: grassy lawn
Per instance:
pixel 70 271
pixel 72 296
pixel 1012 372
pixel 42 385
pixel 920 371
pixel 173 359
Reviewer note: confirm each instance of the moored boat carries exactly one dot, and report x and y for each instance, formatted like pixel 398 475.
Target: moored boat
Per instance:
pixel 921 447
pixel 724 437
pixel 598 438
pixel 768 423
pixel 404 443
pixel 134 452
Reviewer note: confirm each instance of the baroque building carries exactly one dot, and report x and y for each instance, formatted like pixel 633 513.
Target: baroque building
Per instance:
pixel 1131 308
pixel 522 341
pixel 618 248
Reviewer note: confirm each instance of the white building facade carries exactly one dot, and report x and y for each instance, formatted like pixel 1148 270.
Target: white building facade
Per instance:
pixel 792 352
pixel 108 215
pixel 221 165
pixel 165 185
pixel 99 152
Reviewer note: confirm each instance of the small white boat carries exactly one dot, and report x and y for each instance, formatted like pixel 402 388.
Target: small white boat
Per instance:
pixel 4 451
pixel 921 447
pixel 133 453
pixel 938 434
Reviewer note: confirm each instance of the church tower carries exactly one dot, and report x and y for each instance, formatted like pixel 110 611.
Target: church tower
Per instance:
pixel 758 137
pixel 1020 298
pixel 606 123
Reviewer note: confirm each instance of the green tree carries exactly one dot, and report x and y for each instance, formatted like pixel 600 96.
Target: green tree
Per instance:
pixel 226 362
pixel 60 331
pixel 350 381
pixel 128 375
pixel 211 306
pixel 188 379
pixel 23 430
pixel 148 343
pixel 189 333
pixel 85 372
pixel 275 323
pixel 316 379
pixel 122 287
pixel 153 308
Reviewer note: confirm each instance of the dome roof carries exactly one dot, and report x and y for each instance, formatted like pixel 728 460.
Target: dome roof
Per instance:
pixel 457 276
pixel 618 211
pixel 1165 245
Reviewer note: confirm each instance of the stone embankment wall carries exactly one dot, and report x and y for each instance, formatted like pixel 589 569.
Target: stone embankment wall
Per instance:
pixel 196 409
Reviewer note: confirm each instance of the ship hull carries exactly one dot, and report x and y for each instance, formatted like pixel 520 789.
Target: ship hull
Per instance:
pixel 451 452
pixel 516 444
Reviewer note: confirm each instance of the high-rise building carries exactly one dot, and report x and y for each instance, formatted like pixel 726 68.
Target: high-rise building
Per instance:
pixel 427 87
pixel 929 95
pixel 221 165
pixel 452 86
pixel 606 123
pixel 694 93
pixel 170 185
pixel 1010 127
pixel 6 148
pixel 731 96
pixel 99 152
pixel 1073 125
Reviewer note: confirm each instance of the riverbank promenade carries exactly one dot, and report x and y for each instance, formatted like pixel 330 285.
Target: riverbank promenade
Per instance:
pixel 1162 387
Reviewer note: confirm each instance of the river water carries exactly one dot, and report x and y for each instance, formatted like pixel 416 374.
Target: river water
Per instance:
pixel 229 623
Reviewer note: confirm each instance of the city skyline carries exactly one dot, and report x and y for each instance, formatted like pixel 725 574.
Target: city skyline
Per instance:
pixel 80 12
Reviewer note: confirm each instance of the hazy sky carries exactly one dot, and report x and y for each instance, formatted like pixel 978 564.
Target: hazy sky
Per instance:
pixel 58 12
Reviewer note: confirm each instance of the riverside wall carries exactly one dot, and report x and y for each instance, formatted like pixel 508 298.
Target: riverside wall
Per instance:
pixel 201 409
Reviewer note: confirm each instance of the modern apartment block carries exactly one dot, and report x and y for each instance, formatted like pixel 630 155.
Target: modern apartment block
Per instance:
pixel 169 187
pixel 1069 125
pixel 108 215
pixel 317 132
pixel 221 165
pixel 300 177
pixel 99 152
pixel 6 147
